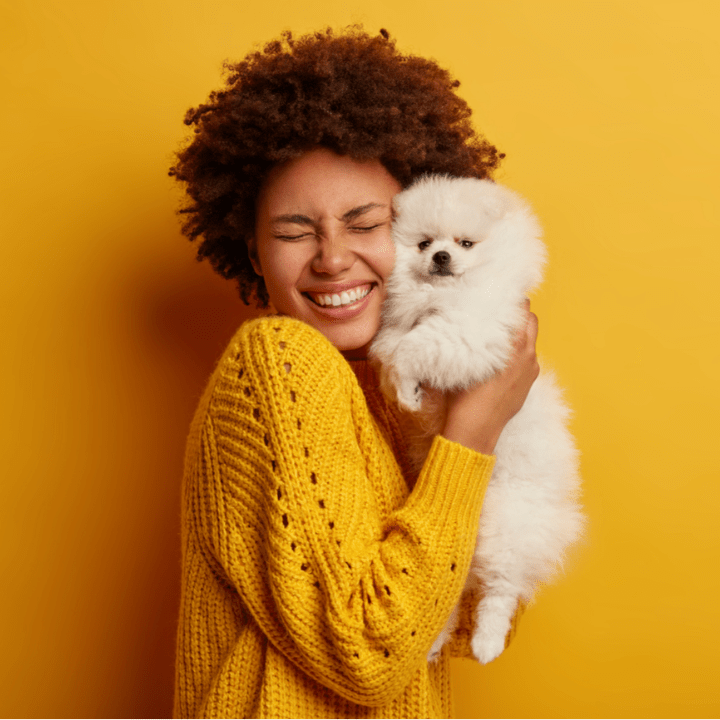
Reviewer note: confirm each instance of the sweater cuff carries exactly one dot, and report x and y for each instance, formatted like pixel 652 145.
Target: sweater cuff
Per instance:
pixel 453 480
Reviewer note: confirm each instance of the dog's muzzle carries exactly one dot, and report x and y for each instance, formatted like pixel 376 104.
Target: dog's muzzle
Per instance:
pixel 441 263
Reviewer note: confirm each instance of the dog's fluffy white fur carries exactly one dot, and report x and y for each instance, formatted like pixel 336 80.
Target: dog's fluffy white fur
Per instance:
pixel 468 253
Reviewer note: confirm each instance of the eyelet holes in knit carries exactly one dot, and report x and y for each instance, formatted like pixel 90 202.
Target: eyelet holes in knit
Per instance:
pixel 405 572
pixel 387 590
pixel 293 397
pixel 321 503
pixel 241 372
pixel 332 524
pixel 452 567
pixel 293 546
pixel 256 413
pixel 307 452
pixel 304 567
pixel 287 367
pixel 279 493
pixel 285 520
pixel 387 653
pixel 282 344
pixel 266 440
pixel 412 634
pixel 313 478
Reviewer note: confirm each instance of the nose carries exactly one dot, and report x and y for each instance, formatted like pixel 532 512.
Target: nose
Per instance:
pixel 441 258
pixel 333 256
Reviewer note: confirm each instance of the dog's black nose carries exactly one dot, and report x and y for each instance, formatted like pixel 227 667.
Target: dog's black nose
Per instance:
pixel 441 258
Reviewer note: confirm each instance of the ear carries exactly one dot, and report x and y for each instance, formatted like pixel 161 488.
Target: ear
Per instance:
pixel 252 254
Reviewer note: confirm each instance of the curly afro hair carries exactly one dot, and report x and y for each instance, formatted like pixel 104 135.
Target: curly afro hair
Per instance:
pixel 353 93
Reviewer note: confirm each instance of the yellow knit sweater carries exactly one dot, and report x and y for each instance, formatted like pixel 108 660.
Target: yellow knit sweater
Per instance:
pixel 314 579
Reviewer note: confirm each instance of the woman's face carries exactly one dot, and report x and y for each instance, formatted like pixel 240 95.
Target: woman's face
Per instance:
pixel 322 244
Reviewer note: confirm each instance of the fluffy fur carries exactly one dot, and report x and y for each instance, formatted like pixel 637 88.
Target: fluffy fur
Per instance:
pixel 468 253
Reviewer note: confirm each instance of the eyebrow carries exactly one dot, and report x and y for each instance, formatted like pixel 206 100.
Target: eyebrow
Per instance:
pixel 352 214
pixel 361 210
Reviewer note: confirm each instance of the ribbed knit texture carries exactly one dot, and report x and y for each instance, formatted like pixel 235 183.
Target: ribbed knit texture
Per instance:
pixel 314 580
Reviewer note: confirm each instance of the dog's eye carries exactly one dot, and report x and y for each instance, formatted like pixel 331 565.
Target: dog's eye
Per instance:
pixel 466 243
pixel 425 244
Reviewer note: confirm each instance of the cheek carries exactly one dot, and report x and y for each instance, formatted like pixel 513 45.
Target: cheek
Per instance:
pixel 387 267
pixel 383 258
pixel 281 267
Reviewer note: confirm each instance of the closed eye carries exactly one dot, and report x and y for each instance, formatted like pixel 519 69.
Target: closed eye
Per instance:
pixel 291 238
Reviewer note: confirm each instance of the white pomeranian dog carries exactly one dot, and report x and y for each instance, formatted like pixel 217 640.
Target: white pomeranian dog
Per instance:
pixel 468 252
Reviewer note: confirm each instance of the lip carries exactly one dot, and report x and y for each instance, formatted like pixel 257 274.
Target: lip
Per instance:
pixel 337 288
pixel 346 312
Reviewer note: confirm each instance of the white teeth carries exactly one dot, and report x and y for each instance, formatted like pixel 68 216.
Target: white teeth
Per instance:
pixel 347 297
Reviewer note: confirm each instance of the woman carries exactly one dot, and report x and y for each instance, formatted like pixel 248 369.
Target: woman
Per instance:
pixel 317 570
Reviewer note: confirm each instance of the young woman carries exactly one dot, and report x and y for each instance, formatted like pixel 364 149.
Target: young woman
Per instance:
pixel 317 570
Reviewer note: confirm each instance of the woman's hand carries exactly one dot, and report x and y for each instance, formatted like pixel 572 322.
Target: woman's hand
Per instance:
pixel 478 415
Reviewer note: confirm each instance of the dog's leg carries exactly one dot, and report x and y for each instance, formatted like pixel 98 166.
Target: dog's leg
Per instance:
pixel 409 393
pixel 494 613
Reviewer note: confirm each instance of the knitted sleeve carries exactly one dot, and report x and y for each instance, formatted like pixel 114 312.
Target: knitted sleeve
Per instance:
pixel 349 581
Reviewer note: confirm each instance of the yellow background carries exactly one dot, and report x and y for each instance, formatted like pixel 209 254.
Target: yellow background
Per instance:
pixel 609 114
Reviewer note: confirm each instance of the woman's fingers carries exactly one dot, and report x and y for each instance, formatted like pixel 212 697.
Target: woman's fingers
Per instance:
pixel 477 416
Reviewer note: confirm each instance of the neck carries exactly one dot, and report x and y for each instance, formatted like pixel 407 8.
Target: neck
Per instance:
pixel 355 354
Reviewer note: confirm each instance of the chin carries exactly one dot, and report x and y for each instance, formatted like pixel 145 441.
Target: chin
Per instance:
pixel 351 338
pixel 468 252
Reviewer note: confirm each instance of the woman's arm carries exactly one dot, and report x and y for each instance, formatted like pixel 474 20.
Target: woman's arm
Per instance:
pixel 478 415
pixel 299 501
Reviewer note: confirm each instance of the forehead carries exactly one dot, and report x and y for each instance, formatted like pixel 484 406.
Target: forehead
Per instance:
pixel 320 183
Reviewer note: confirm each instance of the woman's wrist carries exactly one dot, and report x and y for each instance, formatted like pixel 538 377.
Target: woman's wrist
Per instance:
pixel 478 438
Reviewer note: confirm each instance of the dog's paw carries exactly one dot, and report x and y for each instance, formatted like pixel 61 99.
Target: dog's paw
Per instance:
pixel 435 650
pixel 486 649
pixel 410 395
pixel 488 640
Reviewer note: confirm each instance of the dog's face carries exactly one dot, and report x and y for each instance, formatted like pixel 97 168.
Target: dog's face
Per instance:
pixel 441 256
pixel 451 228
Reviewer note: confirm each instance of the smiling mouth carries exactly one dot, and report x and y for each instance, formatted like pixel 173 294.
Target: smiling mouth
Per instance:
pixel 343 299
